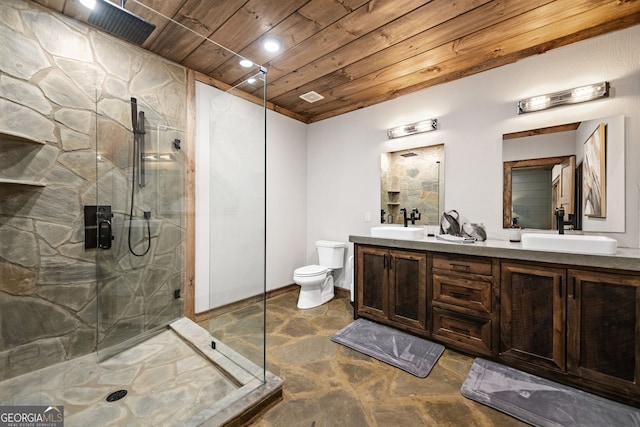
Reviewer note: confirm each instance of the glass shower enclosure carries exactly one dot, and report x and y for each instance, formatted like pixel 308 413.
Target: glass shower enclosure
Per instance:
pixel 231 216
pixel 139 221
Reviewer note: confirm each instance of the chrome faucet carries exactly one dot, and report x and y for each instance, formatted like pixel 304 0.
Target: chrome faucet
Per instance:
pixel 560 222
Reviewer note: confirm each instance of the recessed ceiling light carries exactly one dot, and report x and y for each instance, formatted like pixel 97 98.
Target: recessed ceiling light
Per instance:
pixel 90 4
pixel 246 63
pixel 271 44
pixel 311 97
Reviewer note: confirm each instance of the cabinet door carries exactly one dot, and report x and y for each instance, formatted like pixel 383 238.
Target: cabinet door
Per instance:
pixel 371 264
pixel 408 288
pixel 603 315
pixel 533 315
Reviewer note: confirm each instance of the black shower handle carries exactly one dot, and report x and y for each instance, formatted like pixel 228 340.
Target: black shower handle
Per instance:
pixel 104 238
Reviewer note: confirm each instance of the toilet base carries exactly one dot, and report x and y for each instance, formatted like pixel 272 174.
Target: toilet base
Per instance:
pixel 315 295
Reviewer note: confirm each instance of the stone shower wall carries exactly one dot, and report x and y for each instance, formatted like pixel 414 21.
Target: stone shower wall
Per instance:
pixel 66 86
pixel 413 182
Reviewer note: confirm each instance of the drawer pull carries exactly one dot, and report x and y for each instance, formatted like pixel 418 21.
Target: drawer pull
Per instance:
pixel 460 267
pixel 460 295
pixel 460 330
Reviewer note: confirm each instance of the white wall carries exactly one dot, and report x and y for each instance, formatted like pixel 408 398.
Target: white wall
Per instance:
pixel 343 153
pixel 236 166
pixel 286 198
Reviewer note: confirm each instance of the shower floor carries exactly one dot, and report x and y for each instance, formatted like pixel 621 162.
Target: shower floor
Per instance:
pixel 167 381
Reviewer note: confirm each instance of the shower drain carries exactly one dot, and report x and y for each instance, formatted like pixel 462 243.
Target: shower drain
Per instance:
pixel 116 395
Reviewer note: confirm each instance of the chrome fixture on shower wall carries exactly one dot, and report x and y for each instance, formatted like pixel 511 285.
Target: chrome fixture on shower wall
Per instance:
pixel 118 21
pixel 413 128
pixel 569 96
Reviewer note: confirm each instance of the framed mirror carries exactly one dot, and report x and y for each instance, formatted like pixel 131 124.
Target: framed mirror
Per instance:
pixel 546 154
pixel 535 188
pixel 412 179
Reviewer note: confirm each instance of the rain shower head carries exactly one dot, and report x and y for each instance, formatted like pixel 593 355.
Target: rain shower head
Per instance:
pixel 409 154
pixel 119 22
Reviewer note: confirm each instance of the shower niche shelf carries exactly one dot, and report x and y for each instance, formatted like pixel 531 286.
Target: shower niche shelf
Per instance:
pixel 9 187
pixel 15 137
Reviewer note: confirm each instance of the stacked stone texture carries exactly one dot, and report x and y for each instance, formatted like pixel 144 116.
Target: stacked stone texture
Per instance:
pixel 64 98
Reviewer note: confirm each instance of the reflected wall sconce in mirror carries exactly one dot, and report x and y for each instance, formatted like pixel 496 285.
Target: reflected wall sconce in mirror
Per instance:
pixel 413 128
pixel 570 96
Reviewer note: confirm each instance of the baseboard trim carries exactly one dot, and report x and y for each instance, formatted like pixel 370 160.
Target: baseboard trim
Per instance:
pixel 209 314
pixel 214 312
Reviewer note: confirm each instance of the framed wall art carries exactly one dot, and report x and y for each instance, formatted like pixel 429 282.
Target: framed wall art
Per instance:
pixel 594 174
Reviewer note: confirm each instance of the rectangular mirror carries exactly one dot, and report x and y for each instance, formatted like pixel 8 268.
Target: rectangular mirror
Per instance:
pixel 412 179
pixel 535 188
pixel 555 155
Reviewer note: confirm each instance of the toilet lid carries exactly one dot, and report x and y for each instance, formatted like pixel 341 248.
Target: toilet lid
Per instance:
pixel 310 270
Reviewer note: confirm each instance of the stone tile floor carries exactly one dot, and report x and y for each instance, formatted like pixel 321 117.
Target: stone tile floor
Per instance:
pixel 167 383
pixel 326 384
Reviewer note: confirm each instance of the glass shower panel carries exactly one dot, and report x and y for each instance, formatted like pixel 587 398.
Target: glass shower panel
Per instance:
pixel 237 149
pixel 140 222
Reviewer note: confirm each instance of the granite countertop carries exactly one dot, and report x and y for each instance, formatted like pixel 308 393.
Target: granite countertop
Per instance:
pixel 624 259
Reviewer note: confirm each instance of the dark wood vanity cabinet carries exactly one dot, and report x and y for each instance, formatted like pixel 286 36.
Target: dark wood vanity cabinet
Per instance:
pixel 581 325
pixel 575 325
pixel 603 317
pixel 465 290
pixel 392 287
pixel 533 314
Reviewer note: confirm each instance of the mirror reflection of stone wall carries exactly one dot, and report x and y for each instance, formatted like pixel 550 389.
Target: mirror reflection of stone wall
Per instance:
pixel 411 179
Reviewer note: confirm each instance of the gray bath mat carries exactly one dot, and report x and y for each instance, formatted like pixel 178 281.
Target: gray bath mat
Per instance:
pixel 407 352
pixel 541 402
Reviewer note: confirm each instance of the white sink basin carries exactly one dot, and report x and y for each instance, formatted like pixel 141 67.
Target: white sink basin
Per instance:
pixel 398 232
pixel 597 245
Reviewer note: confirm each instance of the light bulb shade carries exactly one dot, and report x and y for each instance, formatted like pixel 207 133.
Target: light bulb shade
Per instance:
pixel 570 96
pixel 413 128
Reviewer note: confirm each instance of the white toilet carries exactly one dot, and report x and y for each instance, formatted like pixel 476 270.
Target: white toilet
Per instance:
pixel 316 281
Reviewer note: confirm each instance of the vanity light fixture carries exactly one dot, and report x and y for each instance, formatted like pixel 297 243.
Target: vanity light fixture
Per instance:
pixel 413 128
pixel 570 96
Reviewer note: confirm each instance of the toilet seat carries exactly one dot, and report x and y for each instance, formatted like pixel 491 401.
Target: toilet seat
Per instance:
pixel 310 271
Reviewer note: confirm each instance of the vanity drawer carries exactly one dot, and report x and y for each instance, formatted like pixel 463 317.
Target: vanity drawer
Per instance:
pixel 464 332
pixel 462 292
pixel 463 264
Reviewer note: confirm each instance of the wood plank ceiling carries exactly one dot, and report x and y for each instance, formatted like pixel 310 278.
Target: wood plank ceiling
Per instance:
pixel 358 53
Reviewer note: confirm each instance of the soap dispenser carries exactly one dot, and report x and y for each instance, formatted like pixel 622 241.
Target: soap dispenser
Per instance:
pixel 514 231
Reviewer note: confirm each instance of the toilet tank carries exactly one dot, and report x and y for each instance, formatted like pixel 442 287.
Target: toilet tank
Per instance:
pixel 330 254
